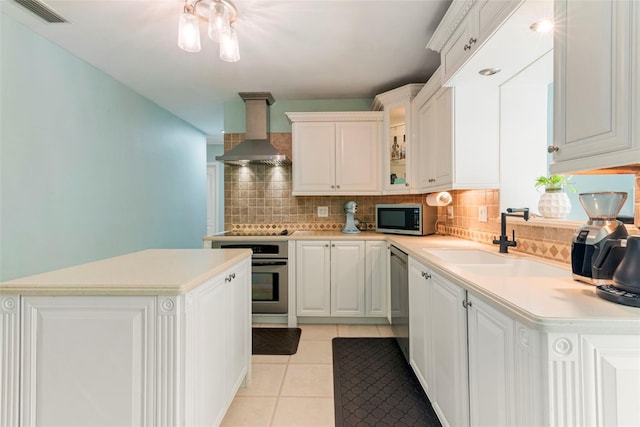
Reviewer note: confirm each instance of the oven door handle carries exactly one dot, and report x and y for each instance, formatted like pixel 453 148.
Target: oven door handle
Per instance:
pixel 267 263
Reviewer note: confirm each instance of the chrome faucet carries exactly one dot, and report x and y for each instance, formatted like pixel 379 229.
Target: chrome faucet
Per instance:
pixel 504 241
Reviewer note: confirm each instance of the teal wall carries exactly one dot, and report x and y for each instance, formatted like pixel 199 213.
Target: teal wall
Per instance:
pixel 88 168
pixel 234 111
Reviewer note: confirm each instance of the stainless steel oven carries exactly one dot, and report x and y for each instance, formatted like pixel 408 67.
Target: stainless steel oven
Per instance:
pixel 269 273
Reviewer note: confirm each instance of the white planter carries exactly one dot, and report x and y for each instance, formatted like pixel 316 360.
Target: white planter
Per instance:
pixel 554 204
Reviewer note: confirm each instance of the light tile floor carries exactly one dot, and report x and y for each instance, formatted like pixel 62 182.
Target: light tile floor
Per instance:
pixel 295 390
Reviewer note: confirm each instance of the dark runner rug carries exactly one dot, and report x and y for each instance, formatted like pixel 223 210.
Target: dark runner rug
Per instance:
pixel 375 386
pixel 275 340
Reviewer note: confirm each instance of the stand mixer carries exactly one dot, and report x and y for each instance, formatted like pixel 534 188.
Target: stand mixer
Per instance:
pixel 350 208
pixel 592 258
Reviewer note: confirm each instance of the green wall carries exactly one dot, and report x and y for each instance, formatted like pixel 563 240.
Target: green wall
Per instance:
pixel 234 111
pixel 88 168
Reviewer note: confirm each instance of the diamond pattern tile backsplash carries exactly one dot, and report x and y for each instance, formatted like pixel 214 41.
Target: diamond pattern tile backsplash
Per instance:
pixel 258 197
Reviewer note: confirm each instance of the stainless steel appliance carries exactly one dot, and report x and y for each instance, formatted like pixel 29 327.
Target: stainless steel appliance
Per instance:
pixel 413 219
pixel 589 245
pixel 400 298
pixel 269 272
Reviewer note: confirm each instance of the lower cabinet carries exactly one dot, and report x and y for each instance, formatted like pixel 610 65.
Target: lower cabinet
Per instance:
pixel 438 342
pixel 126 360
pixel 334 278
pixel 517 375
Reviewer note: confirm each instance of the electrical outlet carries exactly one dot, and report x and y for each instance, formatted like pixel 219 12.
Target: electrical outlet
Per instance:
pixel 482 214
pixel 450 212
pixel 323 211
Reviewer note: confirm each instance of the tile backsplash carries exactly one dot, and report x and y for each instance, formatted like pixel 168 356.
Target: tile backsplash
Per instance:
pixel 258 198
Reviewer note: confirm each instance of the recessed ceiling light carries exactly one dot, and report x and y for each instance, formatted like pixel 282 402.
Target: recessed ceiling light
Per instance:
pixel 489 71
pixel 542 26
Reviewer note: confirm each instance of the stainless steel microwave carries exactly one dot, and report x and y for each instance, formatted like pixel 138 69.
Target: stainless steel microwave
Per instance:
pixel 412 219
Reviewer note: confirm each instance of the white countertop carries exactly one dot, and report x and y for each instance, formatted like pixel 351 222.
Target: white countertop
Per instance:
pixel 149 272
pixel 543 301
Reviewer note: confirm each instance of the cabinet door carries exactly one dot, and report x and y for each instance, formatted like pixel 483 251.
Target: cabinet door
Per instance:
pixel 313 165
pixel 313 278
pixel 449 349
pixel 357 164
pixel 611 375
pixel 427 124
pixel 209 359
pixel 238 282
pixel 443 145
pixel 491 361
pixel 595 77
pixel 88 360
pixel 460 46
pixel 377 279
pixel 419 325
pixel 347 278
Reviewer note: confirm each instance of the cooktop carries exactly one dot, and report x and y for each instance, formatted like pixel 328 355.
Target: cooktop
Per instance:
pixel 250 233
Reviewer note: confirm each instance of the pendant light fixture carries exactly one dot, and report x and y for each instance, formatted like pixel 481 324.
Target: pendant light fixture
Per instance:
pixel 220 14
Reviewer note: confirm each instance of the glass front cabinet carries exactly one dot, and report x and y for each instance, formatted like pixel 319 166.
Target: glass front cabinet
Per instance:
pixel 396 105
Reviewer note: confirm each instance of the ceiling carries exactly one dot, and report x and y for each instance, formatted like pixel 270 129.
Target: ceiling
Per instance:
pixel 295 49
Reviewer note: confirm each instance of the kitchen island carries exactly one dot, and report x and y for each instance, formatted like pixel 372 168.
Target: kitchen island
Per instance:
pixel 157 337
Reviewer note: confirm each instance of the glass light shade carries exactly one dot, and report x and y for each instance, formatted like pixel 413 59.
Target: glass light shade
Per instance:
pixel 229 49
pixel 188 33
pixel 219 21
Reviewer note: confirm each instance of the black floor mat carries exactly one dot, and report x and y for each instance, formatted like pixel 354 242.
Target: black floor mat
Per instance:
pixel 375 386
pixel 275 340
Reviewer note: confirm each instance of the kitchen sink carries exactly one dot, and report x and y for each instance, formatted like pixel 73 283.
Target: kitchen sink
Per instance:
pixel 468 256
pixel 485 263
pixel 516 268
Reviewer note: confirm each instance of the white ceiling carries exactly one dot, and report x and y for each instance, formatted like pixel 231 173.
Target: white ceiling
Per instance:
pixel 295 49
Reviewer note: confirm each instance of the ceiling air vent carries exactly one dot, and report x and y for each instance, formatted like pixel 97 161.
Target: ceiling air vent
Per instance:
pixel 42 10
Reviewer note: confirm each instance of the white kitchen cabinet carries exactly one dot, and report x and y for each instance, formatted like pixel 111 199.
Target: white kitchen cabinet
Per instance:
pixel 336 153
pixel 491 366
pixel 347 278
pixel 449 351
pixel 594 379
pixel 342 278
pixel 596 87
pixel 330 278
pixel 420 347
pixel 466 26
pixel 457 131
pixel 397 150
pixel 377 278
pixel 438 342
pixel 313 278
pixel 127 360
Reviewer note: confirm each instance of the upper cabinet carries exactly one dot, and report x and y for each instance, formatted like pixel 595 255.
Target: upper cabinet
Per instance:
pixel 397 150
pixel 464 28
pixel 336 153
pixel 457 137
pixel 596 86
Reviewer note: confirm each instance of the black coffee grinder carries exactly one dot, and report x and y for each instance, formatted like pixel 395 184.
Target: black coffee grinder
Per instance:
pixel 591 245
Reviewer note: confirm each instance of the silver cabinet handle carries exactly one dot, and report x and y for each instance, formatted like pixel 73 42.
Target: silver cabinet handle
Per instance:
pixel 230 277
pixel 426 275
pixel 326 245
pixel 337 186
pixel 466 304
pixel 406 184
pixel 553 149
pixel 333 186
pixel 471 42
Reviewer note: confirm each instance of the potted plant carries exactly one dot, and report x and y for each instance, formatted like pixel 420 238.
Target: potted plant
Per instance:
pixel 554 202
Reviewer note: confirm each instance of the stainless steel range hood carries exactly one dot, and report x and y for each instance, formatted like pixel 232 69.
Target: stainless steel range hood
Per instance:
pixel 256 147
